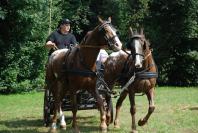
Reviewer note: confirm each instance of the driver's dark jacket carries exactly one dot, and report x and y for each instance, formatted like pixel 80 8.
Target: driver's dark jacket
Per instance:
pixel 61 40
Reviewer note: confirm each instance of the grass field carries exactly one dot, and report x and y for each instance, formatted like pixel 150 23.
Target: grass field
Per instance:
pixel 176 112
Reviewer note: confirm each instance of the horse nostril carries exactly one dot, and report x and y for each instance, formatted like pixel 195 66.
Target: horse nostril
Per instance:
pixel 115 43
pixel 137 65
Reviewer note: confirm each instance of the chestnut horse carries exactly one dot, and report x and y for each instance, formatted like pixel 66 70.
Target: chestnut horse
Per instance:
pixel 71 70
pixel 138 68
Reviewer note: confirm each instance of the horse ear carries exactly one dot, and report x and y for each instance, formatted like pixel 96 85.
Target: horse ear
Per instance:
pixel 109 19
pixel 100 20
pixel 130 31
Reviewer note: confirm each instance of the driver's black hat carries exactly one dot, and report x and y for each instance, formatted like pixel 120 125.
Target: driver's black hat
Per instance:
pixel 65 21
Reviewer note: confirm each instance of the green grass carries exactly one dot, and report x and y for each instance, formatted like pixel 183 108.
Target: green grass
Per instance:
pixel 176 112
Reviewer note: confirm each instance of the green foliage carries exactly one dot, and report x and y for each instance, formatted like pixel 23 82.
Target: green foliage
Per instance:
pixel 174 25
pixel 171 27
pixel 2 13
pixel 22 50
pixel 132 13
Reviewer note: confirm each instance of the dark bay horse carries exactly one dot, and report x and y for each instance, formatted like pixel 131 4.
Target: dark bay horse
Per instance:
pixel 71 70
pixel 139 66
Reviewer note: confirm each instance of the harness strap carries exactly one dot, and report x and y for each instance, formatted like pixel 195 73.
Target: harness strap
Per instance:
pixel 84 73
pixel 146 75
pixel 131 80
pixel 109 92
pixel 92 46
pixel 140 75
pixel 101 26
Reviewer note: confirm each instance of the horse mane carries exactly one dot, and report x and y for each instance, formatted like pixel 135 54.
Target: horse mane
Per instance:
pixel 85 37
pixel 148 44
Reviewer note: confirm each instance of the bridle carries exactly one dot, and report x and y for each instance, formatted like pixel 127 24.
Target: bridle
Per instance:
pixel 110 41
pixel 134 54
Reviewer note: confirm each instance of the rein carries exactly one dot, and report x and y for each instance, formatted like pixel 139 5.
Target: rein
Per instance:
pixel 148 55
pixel 91 46
pixel 109 92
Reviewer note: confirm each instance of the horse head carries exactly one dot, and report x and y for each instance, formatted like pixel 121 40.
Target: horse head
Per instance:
pixel 104 34
pixel 138 46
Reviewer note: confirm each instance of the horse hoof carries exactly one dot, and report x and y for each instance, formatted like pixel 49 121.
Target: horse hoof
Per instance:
pixel 76 130
pixel 52 130
pixel 103 130
pixel 134 131
pixel 141 122
pixel 63 127
pixel 116 124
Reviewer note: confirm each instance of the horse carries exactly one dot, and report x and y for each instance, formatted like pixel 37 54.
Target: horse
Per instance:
pixel 69 71
pixel 136 72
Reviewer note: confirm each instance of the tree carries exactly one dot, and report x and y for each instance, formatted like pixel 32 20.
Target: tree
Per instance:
pixel 23 31
pixel 174 25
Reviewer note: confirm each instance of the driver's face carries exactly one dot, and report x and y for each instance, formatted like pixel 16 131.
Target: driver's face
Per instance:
pixel 65 27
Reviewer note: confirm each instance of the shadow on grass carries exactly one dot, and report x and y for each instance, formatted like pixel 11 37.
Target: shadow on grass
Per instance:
pixel 20 131
pixel 193 108
pixel 86 124
pixel 22 123
pixel 190 108
pixel 21 126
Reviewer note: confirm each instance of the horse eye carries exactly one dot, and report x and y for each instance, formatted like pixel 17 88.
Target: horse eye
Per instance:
pixel 117 33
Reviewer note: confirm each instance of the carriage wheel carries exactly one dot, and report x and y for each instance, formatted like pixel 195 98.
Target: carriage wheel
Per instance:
pixel 46 108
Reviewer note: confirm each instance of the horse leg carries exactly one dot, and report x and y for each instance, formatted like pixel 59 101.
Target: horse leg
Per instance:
pixel 56 109
pixel 118 107
pixel 62 120
pixel 103 125
pixel 57 105
pixel 109 110
pixel 150 96
pixel 74 111
pixel 133 111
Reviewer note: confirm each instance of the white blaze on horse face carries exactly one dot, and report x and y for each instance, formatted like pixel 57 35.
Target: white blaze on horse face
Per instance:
pixel 139 52
pixel 117 45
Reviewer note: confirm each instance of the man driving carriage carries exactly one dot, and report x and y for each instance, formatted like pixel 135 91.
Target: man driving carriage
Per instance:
pixel 61 37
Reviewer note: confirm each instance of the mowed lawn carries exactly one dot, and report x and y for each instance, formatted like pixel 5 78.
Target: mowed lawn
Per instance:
pixel 176 112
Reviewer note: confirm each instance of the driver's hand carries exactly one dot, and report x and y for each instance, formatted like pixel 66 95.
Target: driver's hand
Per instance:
pixel 53 45
pixel 50 45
